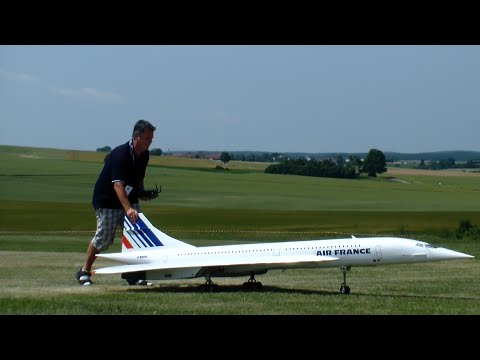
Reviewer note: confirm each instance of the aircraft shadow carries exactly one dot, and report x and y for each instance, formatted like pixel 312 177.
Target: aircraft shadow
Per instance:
pixel 275 289
pixel 225 289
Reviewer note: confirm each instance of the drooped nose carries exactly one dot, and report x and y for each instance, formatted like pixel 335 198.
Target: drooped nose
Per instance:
pixel 446 254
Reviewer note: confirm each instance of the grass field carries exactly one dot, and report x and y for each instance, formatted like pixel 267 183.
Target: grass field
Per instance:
pixel 47 222
pixel 441 288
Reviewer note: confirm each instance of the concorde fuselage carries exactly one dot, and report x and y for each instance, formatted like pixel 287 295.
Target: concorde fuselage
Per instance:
pixel 249 258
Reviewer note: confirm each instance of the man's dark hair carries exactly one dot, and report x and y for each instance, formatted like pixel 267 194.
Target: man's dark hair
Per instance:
pixel 141 126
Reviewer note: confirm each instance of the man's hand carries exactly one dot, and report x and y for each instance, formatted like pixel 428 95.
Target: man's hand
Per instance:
pixel 132 215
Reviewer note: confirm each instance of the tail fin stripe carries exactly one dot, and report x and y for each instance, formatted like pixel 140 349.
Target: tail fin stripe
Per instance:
pixel 127 225
pixel 149 233
pixel 135 235
pixel 142 233
pixel 137 239
pixel 126 242
pixel 143 238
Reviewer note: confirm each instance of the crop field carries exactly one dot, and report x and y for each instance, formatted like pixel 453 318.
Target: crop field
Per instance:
pixel 47 222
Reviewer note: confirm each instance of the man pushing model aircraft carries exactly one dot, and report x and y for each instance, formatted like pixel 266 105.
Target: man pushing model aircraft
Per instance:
pixel 149 254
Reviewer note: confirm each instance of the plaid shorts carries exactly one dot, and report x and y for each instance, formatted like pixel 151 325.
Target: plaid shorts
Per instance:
pixel 107 222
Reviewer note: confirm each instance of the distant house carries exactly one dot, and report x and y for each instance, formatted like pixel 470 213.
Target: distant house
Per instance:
pixel 214 156
pixel 476 163
pixel 183 155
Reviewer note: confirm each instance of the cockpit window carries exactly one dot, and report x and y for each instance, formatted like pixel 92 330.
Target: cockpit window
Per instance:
pixel 418 244
pixel 430 246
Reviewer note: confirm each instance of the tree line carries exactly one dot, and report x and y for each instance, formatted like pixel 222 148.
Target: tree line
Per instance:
pixel 373 164
pixel 448 164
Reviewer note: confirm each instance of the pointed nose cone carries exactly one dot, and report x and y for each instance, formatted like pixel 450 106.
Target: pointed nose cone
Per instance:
pixel 446 254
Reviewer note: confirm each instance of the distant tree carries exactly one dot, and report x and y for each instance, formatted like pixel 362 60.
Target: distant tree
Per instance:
pixel 157 152
pixel 422 164
pixel 354 160
pixel 434 165
pixel 225 157
pixel 374 163
pixel 105 149
pixel 250 157
pixel 339 160
pixel 467 230
pixel 471 164
pixel 317 168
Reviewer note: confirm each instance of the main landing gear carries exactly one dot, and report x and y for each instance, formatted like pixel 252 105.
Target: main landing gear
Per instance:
pixel 138 282
pixel 209 286
pixel 252 284
pixel 344 289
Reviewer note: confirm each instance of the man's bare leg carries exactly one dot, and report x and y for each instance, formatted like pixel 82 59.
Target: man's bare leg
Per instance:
pixel 92 251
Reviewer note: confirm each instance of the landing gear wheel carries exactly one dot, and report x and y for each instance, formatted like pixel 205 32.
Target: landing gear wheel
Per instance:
pixel 209 286
pixel 138 282
pixel 345 289
pixel 252 284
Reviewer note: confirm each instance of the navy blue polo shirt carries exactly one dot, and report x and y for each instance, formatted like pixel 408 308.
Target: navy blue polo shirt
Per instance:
pixel 121 165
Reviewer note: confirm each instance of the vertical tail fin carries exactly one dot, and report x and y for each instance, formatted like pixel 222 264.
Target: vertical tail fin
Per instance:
pixel 143 235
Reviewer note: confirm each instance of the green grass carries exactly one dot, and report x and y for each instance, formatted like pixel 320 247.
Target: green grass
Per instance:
pixel 47 222
pixel 434 288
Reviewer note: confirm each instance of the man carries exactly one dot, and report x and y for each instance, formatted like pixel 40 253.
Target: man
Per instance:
pixel 117 192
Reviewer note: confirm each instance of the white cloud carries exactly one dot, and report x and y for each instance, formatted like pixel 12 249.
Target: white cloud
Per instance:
pixel 27 77
pixel 87 92
pixel 19 76
pixel 92 93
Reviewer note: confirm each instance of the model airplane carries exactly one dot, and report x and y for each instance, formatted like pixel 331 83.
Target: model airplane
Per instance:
pixel 149 254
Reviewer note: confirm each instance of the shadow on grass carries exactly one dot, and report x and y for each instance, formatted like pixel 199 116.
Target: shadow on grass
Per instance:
pixel 222 289
pixel 274 289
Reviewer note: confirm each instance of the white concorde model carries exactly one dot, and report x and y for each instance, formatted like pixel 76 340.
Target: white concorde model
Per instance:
pixel 149 254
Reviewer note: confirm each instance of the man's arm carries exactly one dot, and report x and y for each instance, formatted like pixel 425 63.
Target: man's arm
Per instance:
pixel 123 197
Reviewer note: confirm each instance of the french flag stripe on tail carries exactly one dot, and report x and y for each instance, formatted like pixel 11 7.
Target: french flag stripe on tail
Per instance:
pixel 140 233
pixel 133 235
pixel 129 240
pixel 126 243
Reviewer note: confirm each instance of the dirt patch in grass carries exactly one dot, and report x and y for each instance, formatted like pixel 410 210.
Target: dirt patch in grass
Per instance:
pixel 450 172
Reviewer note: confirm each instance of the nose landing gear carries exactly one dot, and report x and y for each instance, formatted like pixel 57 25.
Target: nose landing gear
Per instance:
pixel 344 289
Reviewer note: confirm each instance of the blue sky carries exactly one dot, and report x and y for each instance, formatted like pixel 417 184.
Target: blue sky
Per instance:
pixel 281 98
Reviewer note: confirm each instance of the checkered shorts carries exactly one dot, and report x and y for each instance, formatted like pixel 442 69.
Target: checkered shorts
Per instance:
pixel 107 222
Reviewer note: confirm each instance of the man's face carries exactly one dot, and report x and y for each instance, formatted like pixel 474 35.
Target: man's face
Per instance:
pixel 143 141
